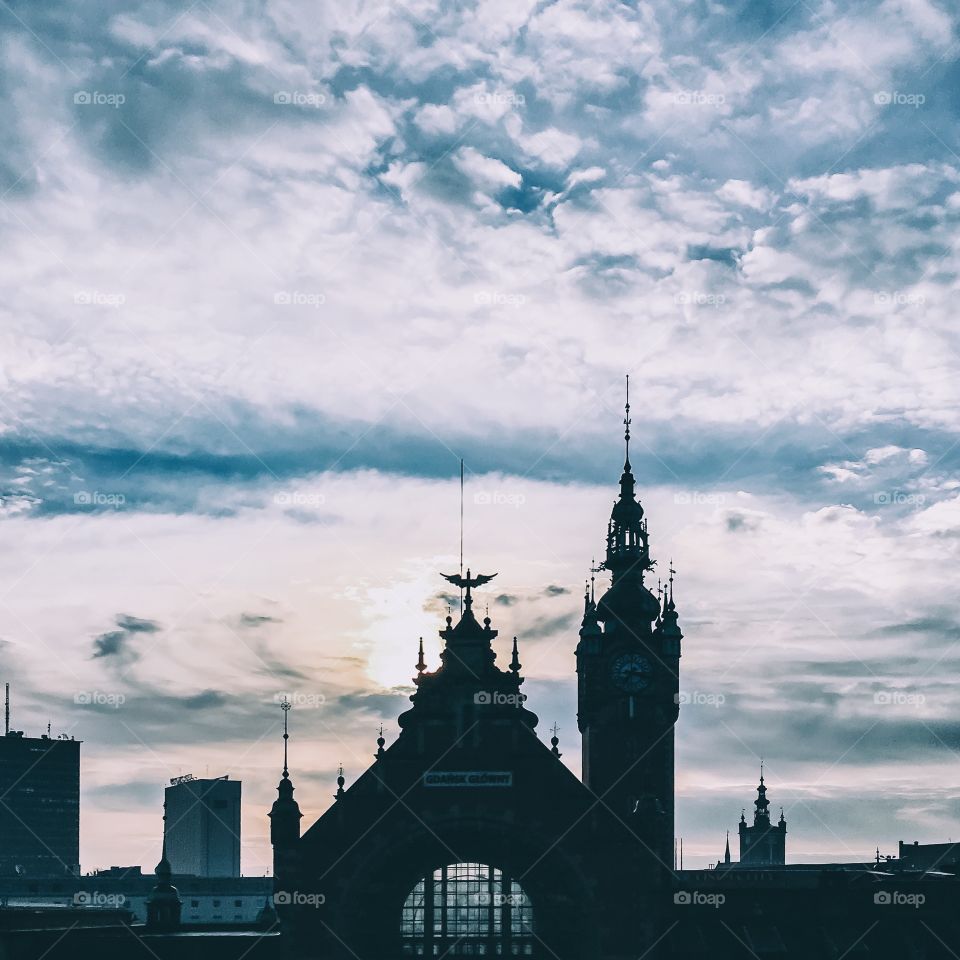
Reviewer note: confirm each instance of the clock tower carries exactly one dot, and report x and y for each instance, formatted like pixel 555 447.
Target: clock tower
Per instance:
pixel 628 679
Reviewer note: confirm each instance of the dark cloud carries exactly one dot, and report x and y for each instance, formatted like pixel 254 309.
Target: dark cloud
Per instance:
pixel 554 591
pixel 116 643
pixel 257 619
pixel 506 599
pixel 547 627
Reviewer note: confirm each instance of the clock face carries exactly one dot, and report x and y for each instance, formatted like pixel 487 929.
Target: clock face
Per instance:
pixel 631 672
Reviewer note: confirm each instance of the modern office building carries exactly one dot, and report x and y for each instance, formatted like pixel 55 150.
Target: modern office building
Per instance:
pixel 39 806
pixel 202 826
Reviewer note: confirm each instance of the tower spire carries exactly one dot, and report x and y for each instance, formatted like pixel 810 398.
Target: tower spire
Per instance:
pixel 421 663
pixel 515 660
pixel 285 707
pixel 626 431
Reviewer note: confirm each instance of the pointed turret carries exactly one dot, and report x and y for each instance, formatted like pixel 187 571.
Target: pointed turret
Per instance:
pixel 285 813
pixel 669 627
pixel 726 852
pixel 628 601
pixel 164 903
pixel 761 813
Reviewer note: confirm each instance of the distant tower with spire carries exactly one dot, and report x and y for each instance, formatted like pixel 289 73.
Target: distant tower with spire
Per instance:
pixel 284 814
pixel 164 903
pixel 763 842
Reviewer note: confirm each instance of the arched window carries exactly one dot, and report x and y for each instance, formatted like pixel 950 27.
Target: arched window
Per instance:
pixel 467 910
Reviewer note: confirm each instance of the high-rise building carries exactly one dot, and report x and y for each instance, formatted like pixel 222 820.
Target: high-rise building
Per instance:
pixel 39 806
pixel 202 826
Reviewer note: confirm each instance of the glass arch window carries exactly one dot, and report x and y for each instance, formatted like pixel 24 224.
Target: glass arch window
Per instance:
pixel 467 910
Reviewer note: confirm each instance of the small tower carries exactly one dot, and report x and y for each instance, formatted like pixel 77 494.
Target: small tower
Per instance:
pixel 284 814
pixel 763 842
pixel 163 904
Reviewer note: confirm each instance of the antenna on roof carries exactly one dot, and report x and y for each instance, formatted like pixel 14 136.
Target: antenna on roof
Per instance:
pixel 461 532
pixel 8 710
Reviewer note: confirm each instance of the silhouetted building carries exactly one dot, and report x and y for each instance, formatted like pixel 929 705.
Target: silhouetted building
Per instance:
pixel 39 806
pixel 202 826
pixel 762 842
pixel 468 836
pixel 943 857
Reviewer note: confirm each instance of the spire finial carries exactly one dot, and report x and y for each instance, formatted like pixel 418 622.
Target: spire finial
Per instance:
pixel 626 424
pixel 285 707
pixel 421 663
pixel 380 743
pixel 515 661
pixel 555 740
pixel 340 782
pixel 761 770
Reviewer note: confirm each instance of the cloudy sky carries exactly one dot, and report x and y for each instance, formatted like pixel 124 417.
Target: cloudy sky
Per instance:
pixel 271 267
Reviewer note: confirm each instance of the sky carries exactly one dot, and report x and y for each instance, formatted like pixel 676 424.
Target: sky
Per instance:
pixel 271 268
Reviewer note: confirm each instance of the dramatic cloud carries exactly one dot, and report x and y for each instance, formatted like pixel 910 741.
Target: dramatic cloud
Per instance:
pixel 271 273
